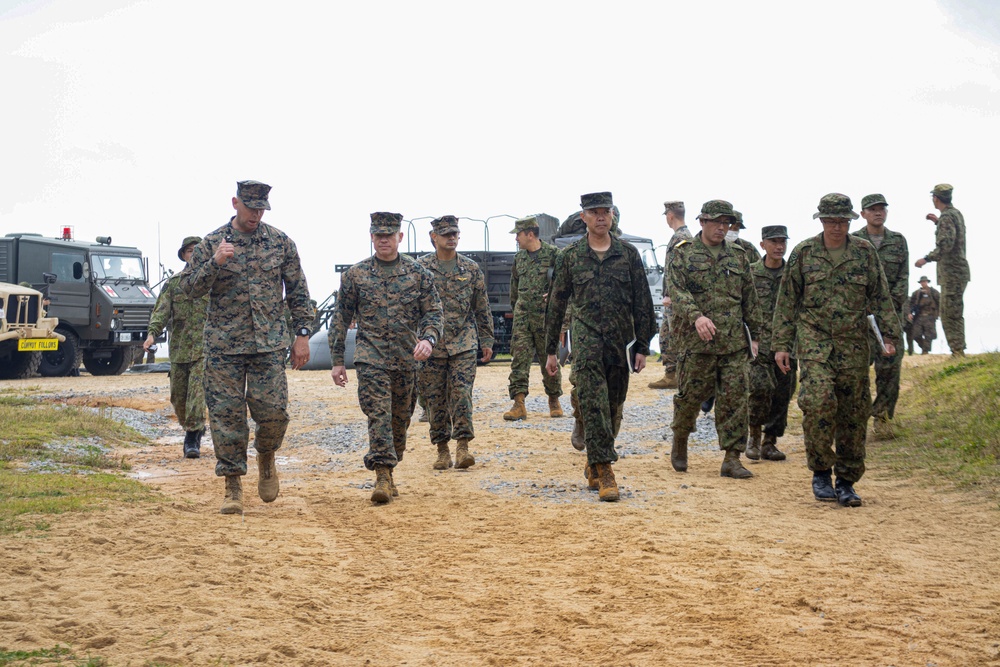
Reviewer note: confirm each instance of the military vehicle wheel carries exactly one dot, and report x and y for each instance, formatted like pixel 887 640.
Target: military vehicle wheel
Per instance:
pixel 115 364
pixel 19 365
pixel 63 361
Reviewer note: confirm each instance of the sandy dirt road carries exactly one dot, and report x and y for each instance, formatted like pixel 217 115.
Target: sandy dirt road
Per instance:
pixel 511 562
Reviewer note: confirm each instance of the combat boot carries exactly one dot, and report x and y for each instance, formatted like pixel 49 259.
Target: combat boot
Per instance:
pixel 882 427
pixel 444 457
pixel 668 381
pixel 392 485
pixel 267 482
pixel 233 503
pixel 846 497
pixel 591 475
pixel 823 486
pixel 191 449
pixel 679 452
pixel 383 485
pixel 517 411
pixel 423 415
pixel 555 410
pixel 463 459
pixel 607 486
pixel 577 439
pixel 768 450
pixel 731 466
pixel 753 448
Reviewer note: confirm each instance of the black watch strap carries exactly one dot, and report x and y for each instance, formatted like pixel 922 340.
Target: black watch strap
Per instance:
pixel 303 331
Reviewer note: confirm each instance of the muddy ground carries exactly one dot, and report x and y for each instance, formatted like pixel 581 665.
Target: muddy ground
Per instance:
pixel 511 562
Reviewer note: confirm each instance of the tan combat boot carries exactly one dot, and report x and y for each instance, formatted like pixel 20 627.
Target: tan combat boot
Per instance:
pixel 267 482
pixel 882 427
pixel 679 452
pixel 668 381
pixel 463 459
pixel 577 439
pixel 731 466
pixel 591 476
pixel 555 410
pixel 607 486
pixel 753 448
pixel 768 450
pixel 518 410
pixel 444 457
pixel 383 485
pixel 233 503
pixel 392 485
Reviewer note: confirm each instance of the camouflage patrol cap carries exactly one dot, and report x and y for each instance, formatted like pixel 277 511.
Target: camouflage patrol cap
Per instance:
pixel 739 220
pixel 24 283
pixel 524 224
pixel 942 190
pixel 716 208
pixel 253 194
pixel 924 279
pixel 676 206
pixel 773 232
pixel 596 200
pixel 836 205
pixel 385 223
pixel 446 224
pixel 188 242
pixel 872 200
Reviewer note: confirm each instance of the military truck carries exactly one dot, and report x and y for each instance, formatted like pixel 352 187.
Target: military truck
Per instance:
pixel 25 331
pixel 100 297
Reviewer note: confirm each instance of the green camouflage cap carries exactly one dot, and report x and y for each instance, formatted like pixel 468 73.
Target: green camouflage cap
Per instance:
pixel 188 242
pixel 871 200
pixel 524 224
pixel 445 224
pixel 24 283
pixel 676 206
pixel 596 200
pixel 835 205
pixel 739 220
pixel 717 208
pixel 773 232
pixel 924 279
pixel 942 190
pixel 385 223
pixel 253 194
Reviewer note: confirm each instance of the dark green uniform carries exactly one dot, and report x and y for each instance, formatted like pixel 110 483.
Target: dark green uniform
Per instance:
pixel 770 390
pixel 667 355
pixel 530 282
pixel 925 307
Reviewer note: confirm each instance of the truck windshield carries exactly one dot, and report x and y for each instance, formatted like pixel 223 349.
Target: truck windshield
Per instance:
pixel 116 267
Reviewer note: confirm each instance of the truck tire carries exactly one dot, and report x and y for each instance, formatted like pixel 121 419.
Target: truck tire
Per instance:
pixel 60 363
pixel 19 365
pixel 116 364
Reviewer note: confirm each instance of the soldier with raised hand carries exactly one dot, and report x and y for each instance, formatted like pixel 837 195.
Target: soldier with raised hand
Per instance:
pixel 249 270
pixel 674 210
pixel 894 254
pixel 446 378
pixel 925 304
pixel 832 282
pixel 184 316
pixel 398 312
pixel 714 300
pixel 605 281
pixel 530 283
pixel 953 269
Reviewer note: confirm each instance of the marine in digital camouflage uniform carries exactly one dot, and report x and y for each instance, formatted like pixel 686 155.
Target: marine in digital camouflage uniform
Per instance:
pixel 446 378
pixel 894 254
pixel 393 300
pixel 831 282
pixel 249 270
pixel 605 281
pixel 714 300
pixel 925 305
pixel 530 282
pixel 674 211
pixel 953 269
pixel 185 318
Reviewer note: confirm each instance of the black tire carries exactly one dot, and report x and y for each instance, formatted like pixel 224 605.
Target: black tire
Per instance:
pixel 19 365
pixel 60 363
pixel 116 364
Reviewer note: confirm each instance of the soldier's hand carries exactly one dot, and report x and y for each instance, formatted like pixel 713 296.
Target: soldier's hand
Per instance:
pixel 552 365
pixel 890 350
pixel 339 375
pixel 782 359
pixel 932 217
pixel 666 302
pixel 920 262
pixel 487 354
pixel 423 350
pixel 640 362
pixel 224 252
pixel 146 344
pixel 300 352
pixel 705 328
pixel 909 317
pixel 755 346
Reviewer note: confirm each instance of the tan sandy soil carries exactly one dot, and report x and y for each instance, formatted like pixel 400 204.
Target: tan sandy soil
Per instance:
pixel 512 562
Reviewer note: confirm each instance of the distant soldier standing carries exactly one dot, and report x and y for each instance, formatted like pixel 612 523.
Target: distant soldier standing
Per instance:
pixel 894 255
pixel 184 316
pixel 249 270
pixel 396 306
pixel 674 210
pixel 925 304
pixel 831 282
pixel 605 281
pixel 446 378
pixel 530 283
pixel 953 269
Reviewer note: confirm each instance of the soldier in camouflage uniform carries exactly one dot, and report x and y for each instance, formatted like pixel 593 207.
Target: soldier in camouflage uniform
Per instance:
pixel 605 281
pixel 770 390
pixel 894 254
pixel 674 210
pixel 249 270
pixel 446 378
pixel 714 300
pixel 398 312
pixel 831 282
pixel 925 304
pixel 733 236
pixel 530 282
pixel 185 317
pixel 953 269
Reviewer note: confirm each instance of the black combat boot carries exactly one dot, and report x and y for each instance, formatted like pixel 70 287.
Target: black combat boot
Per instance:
pixel 191 448
pixel 823 486
pixel 846 497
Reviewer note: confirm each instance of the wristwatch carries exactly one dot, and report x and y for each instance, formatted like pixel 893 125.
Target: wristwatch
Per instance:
pixel 304 331
pixel 430 339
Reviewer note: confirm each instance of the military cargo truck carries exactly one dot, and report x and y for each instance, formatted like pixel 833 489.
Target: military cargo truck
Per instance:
pixel 25 331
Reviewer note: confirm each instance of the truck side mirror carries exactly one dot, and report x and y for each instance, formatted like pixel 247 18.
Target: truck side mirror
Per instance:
pixel 77 271
pixel 49 278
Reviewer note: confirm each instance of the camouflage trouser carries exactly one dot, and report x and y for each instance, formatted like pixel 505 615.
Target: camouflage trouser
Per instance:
pixel 527 342
pixel 835 405
pixel 234 382
pixel 387 398
pixel 446 382
pixel 887 371
pixel 599 390
pixel 924 331
pixel 187 393
pixel 699 376
pixel 908 334
pixel 953 313
pixel 770 393
pixel 667 356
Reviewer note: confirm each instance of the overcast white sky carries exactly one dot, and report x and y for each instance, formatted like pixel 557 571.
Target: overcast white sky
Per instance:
pixel 135 119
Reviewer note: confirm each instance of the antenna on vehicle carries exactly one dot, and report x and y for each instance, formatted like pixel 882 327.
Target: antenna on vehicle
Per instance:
pixel 487 224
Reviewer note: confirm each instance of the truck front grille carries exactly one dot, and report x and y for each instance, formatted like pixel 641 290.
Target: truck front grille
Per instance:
pixel 21 310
